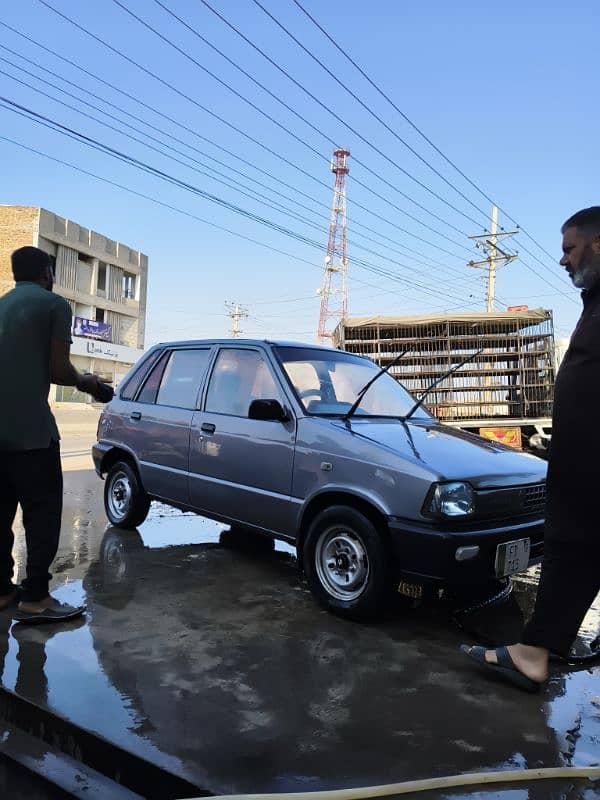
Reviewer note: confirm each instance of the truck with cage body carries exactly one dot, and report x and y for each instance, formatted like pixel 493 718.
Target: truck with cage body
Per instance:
pixel 504 392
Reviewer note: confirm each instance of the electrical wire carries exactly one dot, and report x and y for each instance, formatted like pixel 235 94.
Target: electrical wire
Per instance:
pixel 131 161
pixel 244 134
pixel 227 183
pixel 366 107
pixel 353 94
pixel 277 66
pixel 196 134
pixel 230 183
pixel 365 140
pixel 415 127
pixel 55 10
pixel 271 119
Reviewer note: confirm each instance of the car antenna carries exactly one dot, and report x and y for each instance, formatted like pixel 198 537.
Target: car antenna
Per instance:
pixel 368 385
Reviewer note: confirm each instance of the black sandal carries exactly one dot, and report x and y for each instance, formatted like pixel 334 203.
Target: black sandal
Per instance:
pixel 505 668
pixel 56 612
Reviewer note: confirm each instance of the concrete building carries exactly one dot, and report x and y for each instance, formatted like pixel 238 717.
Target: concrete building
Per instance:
pixel 103 280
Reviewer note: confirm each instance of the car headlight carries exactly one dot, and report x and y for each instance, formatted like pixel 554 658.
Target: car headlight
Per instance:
pixel 452 500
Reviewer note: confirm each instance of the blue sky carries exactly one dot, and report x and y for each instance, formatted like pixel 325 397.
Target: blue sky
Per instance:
pixel 505 90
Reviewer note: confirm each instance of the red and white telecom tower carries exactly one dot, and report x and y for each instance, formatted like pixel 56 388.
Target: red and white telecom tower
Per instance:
pixel 334 290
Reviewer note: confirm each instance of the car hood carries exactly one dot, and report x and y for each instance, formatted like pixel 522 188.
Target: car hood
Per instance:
pixel 451 453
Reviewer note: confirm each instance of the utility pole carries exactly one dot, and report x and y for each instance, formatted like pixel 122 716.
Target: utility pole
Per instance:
pixel 236 312
pixel 334 289
pixel 495 255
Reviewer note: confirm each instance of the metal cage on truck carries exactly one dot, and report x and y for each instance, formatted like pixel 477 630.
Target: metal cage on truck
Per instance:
pixel 507 387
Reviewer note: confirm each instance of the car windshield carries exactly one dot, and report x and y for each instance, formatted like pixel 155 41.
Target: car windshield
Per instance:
pixel 328 382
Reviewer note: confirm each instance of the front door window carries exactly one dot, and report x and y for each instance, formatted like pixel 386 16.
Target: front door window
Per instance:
pixel 239 377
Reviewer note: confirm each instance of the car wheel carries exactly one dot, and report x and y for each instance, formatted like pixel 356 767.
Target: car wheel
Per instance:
pixel 125 501
pixel 346 562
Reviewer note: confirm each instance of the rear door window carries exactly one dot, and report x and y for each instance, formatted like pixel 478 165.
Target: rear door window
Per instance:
pixel 182 378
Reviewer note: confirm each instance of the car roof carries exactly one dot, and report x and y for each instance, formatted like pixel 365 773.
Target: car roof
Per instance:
pixel 269 342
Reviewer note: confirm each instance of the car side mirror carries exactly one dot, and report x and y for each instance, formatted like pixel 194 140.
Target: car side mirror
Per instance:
pixel 269 410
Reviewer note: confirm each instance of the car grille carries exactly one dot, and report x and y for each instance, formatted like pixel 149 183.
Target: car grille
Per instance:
pixel 524 500
pixel 533 498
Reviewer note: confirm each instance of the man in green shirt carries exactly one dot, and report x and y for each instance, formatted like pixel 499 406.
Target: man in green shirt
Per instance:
pixel 35 340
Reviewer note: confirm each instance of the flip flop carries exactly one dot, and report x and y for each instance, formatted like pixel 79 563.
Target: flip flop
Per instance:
pixel 504 670
pixel 56 612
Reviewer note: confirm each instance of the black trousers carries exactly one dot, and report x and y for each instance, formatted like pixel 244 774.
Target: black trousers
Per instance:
pixel 569 583
pixel 33 480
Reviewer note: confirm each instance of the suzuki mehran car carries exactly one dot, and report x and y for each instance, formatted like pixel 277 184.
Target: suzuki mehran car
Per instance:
pixel 325 450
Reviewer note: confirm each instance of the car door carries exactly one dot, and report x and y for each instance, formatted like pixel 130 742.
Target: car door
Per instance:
pixel 160 420
pixel 241 468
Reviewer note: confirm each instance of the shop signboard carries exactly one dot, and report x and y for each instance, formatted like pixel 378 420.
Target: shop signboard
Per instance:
pixel 91 329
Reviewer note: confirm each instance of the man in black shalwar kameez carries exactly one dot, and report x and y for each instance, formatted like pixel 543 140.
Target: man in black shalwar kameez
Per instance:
pixel 570 577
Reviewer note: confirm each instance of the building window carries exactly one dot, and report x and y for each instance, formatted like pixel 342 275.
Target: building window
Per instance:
pixel 99 315
pixel 102 277
pixel 128 286
pixel 53 266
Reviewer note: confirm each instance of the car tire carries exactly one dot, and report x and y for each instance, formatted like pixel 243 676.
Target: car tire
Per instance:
pixel 347 565
pixel 125 501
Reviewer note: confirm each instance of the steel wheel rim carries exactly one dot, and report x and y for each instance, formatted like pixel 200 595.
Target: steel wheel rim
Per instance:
pixel 342 563
pixel 115 561
pixel 119 495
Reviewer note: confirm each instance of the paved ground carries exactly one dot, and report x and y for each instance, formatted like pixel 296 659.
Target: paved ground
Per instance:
pixel 77 424
pixel 214 661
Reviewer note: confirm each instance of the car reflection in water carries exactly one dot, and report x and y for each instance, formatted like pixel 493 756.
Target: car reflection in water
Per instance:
pixel 220 650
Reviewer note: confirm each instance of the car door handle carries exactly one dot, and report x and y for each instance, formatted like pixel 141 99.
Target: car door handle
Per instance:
pixel 135 415
pixel 208 427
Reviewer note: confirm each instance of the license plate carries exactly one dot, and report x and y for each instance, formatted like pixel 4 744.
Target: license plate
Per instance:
pixel 512 557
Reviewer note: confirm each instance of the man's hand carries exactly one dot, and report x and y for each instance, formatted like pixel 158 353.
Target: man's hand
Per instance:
pixel 101 391
pixel 65 374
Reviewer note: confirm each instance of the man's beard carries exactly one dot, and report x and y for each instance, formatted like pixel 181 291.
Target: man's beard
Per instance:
pixel 588 273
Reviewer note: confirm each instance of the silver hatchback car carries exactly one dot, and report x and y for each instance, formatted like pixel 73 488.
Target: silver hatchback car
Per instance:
pixel 322 449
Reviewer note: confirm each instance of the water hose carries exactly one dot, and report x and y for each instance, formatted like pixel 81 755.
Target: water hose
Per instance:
pixel 429 784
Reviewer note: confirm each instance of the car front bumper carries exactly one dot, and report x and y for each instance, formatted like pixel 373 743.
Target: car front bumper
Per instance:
pixel 427 555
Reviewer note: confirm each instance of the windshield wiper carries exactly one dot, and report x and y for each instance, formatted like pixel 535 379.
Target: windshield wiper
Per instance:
pixel 427 391
pixel 368 385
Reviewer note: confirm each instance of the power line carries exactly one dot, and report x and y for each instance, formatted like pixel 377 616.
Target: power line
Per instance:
pixel 230 153
pixel 341 120
pixel 131 161
pixel 230 183
pixel 289 108
pixel 247 136
pixel 366 107
pixel 163 204
pixel 407 119
pixel 380 91
pixel 541 277
pixel 260 144
pixel 200 171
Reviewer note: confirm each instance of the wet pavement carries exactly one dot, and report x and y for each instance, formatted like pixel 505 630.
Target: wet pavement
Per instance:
pixel 18 784
pixel 212 660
